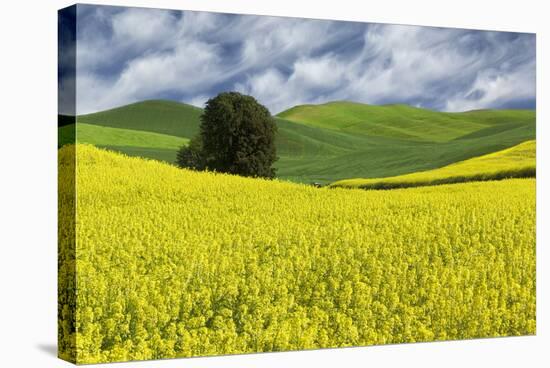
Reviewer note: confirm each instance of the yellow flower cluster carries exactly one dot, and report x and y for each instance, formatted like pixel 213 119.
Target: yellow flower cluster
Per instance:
pixel 174 263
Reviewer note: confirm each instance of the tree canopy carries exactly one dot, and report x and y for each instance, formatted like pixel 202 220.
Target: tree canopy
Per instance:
pixel 237 136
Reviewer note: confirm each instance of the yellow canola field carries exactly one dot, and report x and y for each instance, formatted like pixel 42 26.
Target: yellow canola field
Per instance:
pixel 174 263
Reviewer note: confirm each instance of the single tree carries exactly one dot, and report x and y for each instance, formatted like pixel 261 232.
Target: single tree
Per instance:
pixel 238 136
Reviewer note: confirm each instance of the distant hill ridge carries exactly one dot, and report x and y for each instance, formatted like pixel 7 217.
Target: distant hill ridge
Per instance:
pixel 401 121
pixel 327 142
pixel 158 116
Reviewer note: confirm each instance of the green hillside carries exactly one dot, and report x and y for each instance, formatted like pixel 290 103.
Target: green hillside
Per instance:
pixel 376 157
pixel 401 121
pixel 515 162
pixel 157 116
pixel 106 136
pixel 158 146
pixel 324 143
pixel 391 140
pixel 152 129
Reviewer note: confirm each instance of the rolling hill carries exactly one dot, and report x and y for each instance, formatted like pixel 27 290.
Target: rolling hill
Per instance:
pixel 390 140
pixel 324 143
pixel 515 162
pixel 162 147
pixel 157 116
pixel 401 121
pixel 152 129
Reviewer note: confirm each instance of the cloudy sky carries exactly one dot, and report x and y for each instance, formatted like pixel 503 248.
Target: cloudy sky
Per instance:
pixel 126 55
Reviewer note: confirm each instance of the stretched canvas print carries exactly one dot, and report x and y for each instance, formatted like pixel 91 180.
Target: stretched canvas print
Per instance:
pixel 235 184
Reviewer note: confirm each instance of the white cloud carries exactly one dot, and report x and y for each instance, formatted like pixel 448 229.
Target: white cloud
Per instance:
pixel 134 31
pixel 154 74
pixel 408 61
pixel 323 72
pixel 492 88
pixel 165 58
pixel 143 27
pixel 190 65
pixel 407 64
pixel 305 85
pixel 269 88
pixel 93 94
pixel 132 54
pixel 198 101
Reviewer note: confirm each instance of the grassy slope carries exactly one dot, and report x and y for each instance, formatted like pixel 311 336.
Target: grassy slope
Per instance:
pixel 158 116
pixel 162 127
pixel 399 121
pixel 382 157
pixel 383 141
pixel 341 140
pixel 132 142
pixel 99 135
pixel 518 161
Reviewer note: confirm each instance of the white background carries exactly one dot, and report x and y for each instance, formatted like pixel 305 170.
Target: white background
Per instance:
pixel 28 156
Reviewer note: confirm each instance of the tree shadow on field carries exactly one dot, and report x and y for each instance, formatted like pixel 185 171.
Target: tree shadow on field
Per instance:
pixel 50 349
